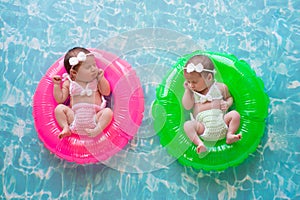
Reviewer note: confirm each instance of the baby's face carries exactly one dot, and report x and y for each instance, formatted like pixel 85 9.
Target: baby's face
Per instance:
pixel 195 81
pixel 88 70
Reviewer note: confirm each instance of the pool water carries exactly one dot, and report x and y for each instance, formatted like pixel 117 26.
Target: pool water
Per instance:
pixel 151 36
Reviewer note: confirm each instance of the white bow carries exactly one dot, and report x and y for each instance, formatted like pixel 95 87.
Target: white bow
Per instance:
pixel 87 92
pixel 197 68
pixel 191 68
pixel 75 60
pixel 206 98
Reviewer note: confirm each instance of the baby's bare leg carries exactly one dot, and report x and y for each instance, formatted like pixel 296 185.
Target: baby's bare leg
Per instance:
pixel 232 119
pixel 192 128
pixel 64 117
pixel 103 119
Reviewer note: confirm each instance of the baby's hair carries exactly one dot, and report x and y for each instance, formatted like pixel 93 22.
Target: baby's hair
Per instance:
pixel 204 60
pixel 73 53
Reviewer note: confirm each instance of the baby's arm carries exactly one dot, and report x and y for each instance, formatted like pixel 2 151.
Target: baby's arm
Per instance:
pixel 188 97
pixel 228 100
pixel 60 94
pixel 103 84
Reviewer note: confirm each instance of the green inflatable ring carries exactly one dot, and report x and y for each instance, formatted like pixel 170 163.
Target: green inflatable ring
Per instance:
pixel 250 101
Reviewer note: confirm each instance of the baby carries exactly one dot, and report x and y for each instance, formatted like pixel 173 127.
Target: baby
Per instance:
pixel 86 85
pixel 209 100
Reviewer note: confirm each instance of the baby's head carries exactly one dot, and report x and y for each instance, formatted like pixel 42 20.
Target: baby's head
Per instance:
pixel 80 58
pixel 73 53
pixel 200 64
pixel 199 72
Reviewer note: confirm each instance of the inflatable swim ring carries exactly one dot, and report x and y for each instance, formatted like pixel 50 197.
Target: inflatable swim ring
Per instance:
pixel 127 105
pixel 250 101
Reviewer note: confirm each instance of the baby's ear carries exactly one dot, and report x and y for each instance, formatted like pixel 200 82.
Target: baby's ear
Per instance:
pixel 73 73
pixel 210 76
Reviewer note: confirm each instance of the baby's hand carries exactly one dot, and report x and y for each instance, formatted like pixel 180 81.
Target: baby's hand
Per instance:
pixel 224 105
pixel 186 85
pixel 100 74
pixel 56 79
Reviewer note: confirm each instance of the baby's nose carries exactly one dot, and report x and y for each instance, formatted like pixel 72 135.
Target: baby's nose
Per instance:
pixel 93 68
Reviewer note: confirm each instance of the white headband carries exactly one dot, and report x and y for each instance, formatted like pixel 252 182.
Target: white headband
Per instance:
pixel 198 68
pixel 81 56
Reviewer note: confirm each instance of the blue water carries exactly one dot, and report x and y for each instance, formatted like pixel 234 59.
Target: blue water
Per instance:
pixel 151 35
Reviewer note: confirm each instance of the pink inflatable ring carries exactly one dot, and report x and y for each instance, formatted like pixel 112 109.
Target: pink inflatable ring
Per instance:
pixel 127 106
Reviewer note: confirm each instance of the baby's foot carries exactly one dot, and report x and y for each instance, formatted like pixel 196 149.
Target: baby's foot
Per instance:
pixel 201 148
pixel 231 138
pixel 93 132
pixel 64 133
